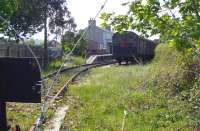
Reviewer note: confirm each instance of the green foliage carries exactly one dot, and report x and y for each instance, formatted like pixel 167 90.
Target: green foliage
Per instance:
pixel 28 16
pixel 32 16
pixel 162 95
pixel 78 60
pixel 7 8
pixel 179 84
pixel 153 17
pixel 69 40
pixel 55 64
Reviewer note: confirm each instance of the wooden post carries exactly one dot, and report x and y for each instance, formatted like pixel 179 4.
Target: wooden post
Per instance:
pixel 18 51
pixel 3 120
pixel 8 51
pixel 12 92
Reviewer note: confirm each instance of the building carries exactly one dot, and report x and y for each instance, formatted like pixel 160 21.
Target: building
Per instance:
pixel 98 39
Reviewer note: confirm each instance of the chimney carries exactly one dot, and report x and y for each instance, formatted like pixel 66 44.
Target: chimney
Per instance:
pixel 92 22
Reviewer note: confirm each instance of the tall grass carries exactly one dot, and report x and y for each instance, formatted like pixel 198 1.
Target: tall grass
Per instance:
pixel 103 96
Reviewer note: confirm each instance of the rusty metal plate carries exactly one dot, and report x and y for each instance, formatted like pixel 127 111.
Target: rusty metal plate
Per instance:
pixel 20 80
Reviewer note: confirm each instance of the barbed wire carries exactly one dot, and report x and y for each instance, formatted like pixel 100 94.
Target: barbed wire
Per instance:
pixel 66 57
pixel 29 48
pixel 23 42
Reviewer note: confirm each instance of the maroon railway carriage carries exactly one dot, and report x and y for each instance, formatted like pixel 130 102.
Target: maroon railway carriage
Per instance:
pixel 128 46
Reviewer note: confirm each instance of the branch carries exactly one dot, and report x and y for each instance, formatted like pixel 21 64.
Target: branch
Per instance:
pixel 195 9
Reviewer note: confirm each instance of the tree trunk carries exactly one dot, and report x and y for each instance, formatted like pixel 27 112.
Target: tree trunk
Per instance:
pixel 46 58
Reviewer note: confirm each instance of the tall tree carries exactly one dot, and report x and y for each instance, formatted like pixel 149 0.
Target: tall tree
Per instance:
pixel 33 16
pixel 7 8
pixel 176 21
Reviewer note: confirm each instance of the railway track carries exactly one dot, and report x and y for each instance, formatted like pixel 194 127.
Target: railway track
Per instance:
pixel 65 70
pixel 74 76
pixel 57 95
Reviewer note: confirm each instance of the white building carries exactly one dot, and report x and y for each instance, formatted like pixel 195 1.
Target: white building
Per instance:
pixel 98 39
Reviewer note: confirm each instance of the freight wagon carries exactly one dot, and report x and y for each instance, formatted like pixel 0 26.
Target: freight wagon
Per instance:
pixel 129 47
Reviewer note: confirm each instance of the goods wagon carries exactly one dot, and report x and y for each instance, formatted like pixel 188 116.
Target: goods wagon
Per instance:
pixel 129 47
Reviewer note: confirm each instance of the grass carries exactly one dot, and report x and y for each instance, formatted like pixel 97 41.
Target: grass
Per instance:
pixel 155 97
pixel 107 94
pixel 100 100
pixel 55 64
pixel 26 114
pixel 23 114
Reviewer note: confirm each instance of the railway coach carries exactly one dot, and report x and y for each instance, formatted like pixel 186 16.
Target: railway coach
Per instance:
pixel 129 47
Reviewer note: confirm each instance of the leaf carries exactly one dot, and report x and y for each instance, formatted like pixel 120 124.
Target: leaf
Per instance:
pixel 172 43
pixel 189 17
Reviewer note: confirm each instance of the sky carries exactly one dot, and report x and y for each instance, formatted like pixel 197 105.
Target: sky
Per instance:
pixel 83 10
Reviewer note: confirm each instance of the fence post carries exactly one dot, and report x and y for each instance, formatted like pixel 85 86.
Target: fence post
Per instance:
pixel 8 51
pixel 3 121
pixel 18 51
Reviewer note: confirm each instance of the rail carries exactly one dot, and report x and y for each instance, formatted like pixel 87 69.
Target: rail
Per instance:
pixel 69 81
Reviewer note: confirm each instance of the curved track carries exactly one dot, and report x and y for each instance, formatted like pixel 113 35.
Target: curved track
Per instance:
pixel 71 79
pixel 66 69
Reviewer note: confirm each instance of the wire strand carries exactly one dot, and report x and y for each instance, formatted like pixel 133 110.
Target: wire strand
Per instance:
pixel 67 56
pixel 20 38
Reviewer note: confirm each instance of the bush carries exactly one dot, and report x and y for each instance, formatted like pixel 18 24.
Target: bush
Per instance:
pixel 78 60
pixel 162 95
pixel 179 82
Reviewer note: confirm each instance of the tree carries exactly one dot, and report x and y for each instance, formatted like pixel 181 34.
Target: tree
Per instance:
pixel 82 46
pixel 7 7
pixel 69 40
pixel 33 16
pixel 176 21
